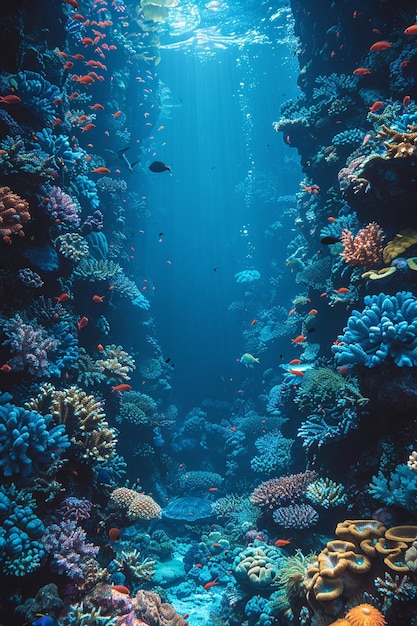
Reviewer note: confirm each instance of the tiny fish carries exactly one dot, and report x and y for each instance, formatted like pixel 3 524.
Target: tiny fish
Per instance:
pixel 100 170
pixel 281 542
pixel 10 99
pixel 82 323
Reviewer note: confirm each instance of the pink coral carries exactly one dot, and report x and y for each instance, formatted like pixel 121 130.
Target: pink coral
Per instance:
pixel 364 249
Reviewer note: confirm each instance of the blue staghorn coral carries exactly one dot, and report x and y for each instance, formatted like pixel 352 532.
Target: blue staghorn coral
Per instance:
pixel 385 329
pixel 20 551
pixel 25 439
pixel 399 489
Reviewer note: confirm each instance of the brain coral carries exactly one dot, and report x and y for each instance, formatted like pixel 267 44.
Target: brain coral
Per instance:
pixel 137 505
pixel 257 566
pixel 385 329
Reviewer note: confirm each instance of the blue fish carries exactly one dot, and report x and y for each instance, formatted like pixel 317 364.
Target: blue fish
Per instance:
pixel 43 620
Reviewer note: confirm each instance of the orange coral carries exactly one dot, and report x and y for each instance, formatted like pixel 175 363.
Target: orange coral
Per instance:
pixel 14 211
pixel 364 249
pixel 365 615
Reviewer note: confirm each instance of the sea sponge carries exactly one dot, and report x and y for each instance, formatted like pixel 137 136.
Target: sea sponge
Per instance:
pixel 401 242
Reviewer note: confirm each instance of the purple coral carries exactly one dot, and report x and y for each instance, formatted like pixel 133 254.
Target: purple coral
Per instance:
pixel 279 491
pixel 29 346
pixel 296 516
pixel 66 542
pixel 62 208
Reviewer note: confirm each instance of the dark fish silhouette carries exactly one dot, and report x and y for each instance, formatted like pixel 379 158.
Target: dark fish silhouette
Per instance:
pixel 120 155
pixel 159 166
pixel 328 241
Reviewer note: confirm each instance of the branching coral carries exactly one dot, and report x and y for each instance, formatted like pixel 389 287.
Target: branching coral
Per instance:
pixel 14 212
pixel 398 144
pixel 61 208
pixel 138 506
pixel 115 364
pixel 26 439
pixel 280 491
pixel 365 248
pixel 30 346
pixel 326 387
pixel 385 329
pixel 84 418
pixel 134 567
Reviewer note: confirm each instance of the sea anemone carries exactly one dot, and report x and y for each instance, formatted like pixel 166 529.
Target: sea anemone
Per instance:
pixel 365 615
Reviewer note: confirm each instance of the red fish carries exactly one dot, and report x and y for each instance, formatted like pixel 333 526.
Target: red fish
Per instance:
pixel 97 107
pixel 101 170
pixel 296 373
pixel 68 65
pixel 295 362
pixel 117 114
pixel 212 489
pixel 5 368
pixel 73 3
pixel 98 298
pixel 411 30
pixel 253 322
pixel 281 542
pixel 85 80
pixel 406 101
pixel 362 71
pixel 376 105
pixel 380 45
pixel 121 589
pixel 122 387
pixel 313 312
pixel 342 290
pixel 88 127
pixel 331 219
pixel 63 297
pixel 100 348
pixel 10 99
pixel 82 323
pixel 210 584
pixel 299 339
pixel 78 17
pixel 78 57
pixel 87 41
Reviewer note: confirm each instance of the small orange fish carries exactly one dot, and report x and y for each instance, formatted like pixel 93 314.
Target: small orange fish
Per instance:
pixel 85 80
pixel 380 45
pixel 362 71
pixel 73 3
pixel 63 297
pixel 68 65
pixel 82 323
pixel 375 106
pixel 5 368
pixel 295 362
pixel 411 30
pixel 324 294
pixel 100 347
pixel 281 542
pixel 406 101
pixel 88 127
pixel 100 170
pixel 342 290
pixel 292 311
pixel 299 339
pixel 213 489
pixel 117 114
pixel 253 322
pixel 122 387
pixel 10 99
pixel 7 240
pixel 78 17
pixel 210 584
pixel 199 565
pixel 331 219
pixel 78 57
pixel 313 312
pixel 74 95
pixel 296 373
pixel 121 589
pixel 98 298
pixel 97 107
pixel 233 429
pixel 343 369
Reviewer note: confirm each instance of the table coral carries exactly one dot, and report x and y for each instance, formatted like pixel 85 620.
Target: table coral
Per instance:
pixel 14 212
pixel 138 506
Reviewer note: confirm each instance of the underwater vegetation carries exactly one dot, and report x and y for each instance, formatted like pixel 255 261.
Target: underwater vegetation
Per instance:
pixel 289 501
